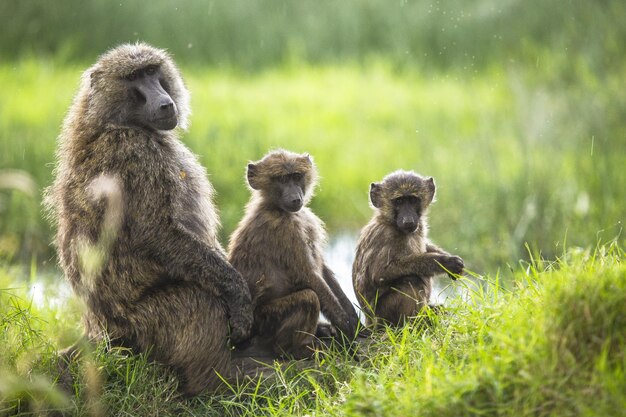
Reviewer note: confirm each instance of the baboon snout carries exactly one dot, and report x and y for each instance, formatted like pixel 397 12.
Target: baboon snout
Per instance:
pixel 292 199
pixel 407 217
pixel 407 224
pixel 293 203
pixel 158 107
pixel 167 105
pixel 166 109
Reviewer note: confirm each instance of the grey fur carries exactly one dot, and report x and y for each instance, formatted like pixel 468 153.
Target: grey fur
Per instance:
pixel 161 281
pixel 393 268
pixel 278 249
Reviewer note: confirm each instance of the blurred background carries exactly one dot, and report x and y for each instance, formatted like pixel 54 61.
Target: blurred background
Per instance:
pixel 517 108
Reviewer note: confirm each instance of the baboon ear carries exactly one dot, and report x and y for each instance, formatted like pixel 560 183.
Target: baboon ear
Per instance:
pixel 252 176
pixel 430 190
pixel 93 76
pixel 307 158
pixel 376 194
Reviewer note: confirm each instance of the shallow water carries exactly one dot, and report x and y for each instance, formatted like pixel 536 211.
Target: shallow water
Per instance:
pixel 51 291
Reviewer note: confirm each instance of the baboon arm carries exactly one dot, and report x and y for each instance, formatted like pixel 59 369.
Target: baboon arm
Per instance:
pixel 331 306
pixel 190 259
pixel 421 264
pixel 431 247
pixel 343 300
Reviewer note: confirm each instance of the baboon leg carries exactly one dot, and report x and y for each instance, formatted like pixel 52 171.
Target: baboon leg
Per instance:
pixel 404 299
pixel 186 328
pixel 64 359
pixel 291 322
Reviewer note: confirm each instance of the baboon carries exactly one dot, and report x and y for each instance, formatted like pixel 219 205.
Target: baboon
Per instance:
pixel 278 247
pixel 395 262
pixel 161 282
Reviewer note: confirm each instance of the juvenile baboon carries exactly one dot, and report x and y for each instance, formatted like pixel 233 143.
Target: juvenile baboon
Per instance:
pixel 161 281
pixel 395 262
pixel 278 247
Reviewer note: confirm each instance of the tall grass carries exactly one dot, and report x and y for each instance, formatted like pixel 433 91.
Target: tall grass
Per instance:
pixel 255 34
pixel 554 344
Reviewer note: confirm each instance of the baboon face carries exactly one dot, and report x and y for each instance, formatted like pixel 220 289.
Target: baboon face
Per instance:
pixel 288 191
pixel 284 179
pixel 408 210
pixel 402 198
pixel 136 86
pixel 150 104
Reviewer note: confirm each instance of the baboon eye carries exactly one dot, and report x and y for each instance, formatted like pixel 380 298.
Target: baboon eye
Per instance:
pixel 296 176
pixel 151 70
pixel 132 76
pixel 407 199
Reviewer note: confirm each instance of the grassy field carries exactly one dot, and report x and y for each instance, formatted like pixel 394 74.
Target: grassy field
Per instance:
pixel 553 345
pixel 516 161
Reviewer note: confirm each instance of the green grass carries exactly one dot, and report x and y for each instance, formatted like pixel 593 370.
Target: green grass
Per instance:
pixel 259 34
pixel 517 158
pixel 552 345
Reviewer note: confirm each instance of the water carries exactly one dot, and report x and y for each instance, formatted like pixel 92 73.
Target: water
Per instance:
pixel 50 292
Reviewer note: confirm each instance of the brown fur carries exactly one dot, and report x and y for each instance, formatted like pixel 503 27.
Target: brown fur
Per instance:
pixel 162 282
pixel 279 253
pixel 393 269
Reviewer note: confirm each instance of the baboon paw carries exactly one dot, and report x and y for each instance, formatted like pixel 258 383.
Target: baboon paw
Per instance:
pixel 325 331
pixel 454 265
pixel 240 329
pixel 237 335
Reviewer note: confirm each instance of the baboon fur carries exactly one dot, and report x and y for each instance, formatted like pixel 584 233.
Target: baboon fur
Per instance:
pixel 279 253
pixel 393 268
pixel 162 282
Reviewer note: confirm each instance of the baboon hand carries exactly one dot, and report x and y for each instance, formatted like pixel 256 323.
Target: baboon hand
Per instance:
pixel 240 324
pixel 325 331
pixel 453 265
pixel 348 325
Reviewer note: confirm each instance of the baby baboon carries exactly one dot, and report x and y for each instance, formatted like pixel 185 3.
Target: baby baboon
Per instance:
pixel 277 247
pixel 161 281
pixel 395 262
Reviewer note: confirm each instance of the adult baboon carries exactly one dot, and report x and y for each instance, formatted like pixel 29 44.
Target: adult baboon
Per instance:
pixel 159 280
pixel 395 262
pixel 278 247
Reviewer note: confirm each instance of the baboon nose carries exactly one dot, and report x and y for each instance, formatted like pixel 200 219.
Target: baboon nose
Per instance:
pixel 167 109
pixel 293 204
pixel 409 225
